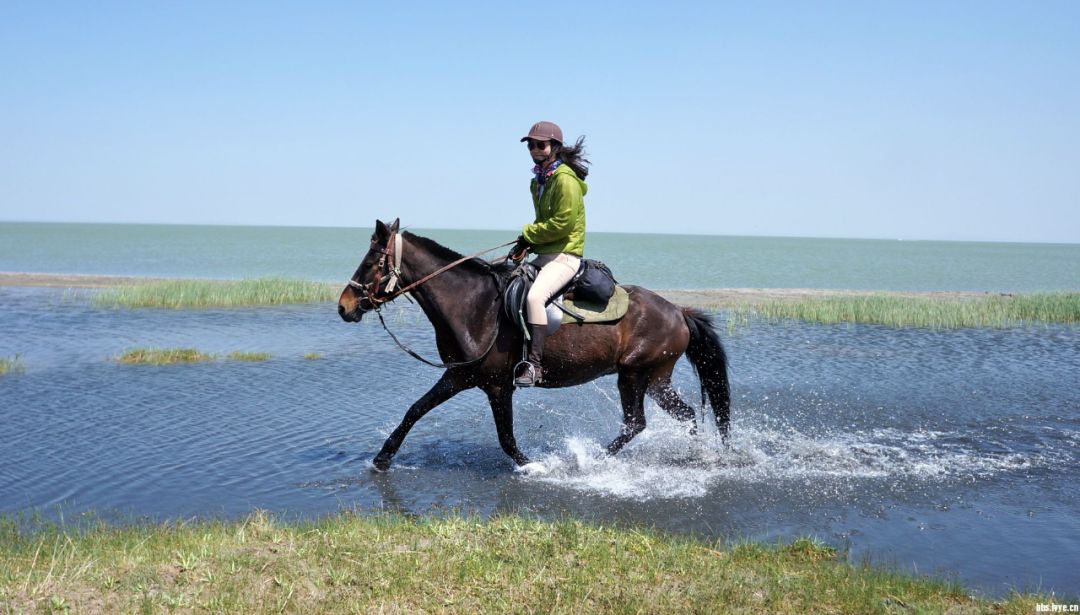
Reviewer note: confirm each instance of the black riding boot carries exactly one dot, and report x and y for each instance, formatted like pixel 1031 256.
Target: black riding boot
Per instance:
pixel 529 372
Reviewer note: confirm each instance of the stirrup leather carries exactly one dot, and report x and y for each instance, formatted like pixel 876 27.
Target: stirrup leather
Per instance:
pixel 532 375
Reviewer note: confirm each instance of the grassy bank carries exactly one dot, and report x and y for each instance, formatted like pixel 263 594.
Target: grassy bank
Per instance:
pixel 11 365
pixel 897 309
pixel 181 294
pixel 249 356
pixel 932 312
pixel 350 563
pixel 170 356
pixel 163 356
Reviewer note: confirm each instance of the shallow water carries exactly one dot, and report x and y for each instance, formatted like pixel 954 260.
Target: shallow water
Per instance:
pixel 953 452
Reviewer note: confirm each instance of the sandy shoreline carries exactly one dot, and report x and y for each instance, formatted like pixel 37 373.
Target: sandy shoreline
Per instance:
pixel 709 297
pixel 70 280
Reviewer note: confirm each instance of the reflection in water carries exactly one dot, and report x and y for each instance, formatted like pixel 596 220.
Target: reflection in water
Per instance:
pixel 950 451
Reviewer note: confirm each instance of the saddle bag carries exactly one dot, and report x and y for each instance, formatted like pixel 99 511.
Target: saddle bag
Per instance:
pixel 594 282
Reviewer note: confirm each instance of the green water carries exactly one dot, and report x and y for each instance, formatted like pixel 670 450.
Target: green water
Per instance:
pixel 656 261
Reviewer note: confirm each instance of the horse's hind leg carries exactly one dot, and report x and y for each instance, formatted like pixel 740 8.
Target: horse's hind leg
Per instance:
pixel 665 395
pixel 632 387
pixel 447 386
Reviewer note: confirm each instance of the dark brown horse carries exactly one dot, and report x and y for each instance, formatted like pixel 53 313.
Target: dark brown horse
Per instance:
pixel 482 345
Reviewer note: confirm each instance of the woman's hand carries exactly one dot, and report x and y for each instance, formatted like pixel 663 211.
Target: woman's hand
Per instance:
pixel 520 250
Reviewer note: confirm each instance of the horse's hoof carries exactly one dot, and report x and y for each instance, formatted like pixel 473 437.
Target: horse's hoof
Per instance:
pixel 380 464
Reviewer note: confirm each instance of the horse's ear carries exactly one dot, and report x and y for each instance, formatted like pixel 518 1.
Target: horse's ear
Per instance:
pixel 397 224
pixel 381 231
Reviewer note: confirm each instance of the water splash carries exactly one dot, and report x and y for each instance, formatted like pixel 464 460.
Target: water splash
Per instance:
pixel 667 462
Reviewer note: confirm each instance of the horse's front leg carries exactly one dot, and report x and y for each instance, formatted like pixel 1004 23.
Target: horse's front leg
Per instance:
pixel 501 398
pixel 447 386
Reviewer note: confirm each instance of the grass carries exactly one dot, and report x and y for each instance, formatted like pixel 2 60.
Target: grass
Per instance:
pixel 169 356
pixel 890 309
pixel 995 311
pixel 163 356
pixel 350 563
pixel 181 294
pixel 12 365
pixel 313 356
pixel 248 356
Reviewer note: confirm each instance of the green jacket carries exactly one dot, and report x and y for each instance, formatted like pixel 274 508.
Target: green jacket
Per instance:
pixel 560 215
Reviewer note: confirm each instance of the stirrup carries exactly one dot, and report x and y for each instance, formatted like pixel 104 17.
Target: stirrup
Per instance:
pixel 529 377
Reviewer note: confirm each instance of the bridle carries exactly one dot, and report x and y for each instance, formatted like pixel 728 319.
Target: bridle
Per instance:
pixel 389 267
pixel 371 290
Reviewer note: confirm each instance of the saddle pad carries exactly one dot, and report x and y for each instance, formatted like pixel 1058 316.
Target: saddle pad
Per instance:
pixel 595 312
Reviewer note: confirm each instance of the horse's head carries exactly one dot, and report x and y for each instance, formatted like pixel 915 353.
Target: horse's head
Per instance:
pixel 366 289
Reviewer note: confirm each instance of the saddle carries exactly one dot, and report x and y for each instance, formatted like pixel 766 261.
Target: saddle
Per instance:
pixel 564 307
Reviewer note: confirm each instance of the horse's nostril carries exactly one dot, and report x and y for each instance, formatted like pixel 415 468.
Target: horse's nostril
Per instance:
pixel 341 310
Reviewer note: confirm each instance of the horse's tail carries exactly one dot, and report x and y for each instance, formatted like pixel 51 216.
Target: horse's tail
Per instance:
pixel 707 355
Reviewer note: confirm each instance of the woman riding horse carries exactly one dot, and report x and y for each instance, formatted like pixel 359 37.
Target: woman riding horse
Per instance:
pixel 461 297
pixel 556 236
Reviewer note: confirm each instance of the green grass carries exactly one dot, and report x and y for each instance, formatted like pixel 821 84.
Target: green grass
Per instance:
pixel 313 356
pixel 163 356
pixel 169 356
pixel 12 365
pixel 995 311
pixel 350 563
pixel 248 356
pixel 181 294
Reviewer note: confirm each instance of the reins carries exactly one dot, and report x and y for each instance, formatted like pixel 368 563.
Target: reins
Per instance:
pixel 371 289
pixel 395 274
pixel 413 354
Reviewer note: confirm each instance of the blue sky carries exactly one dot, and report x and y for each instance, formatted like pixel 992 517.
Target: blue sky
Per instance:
pixel 954 120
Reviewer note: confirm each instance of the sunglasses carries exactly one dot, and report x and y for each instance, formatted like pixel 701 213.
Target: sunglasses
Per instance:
pixel 537 144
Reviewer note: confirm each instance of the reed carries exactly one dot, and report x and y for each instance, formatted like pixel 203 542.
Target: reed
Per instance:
pixel 183 294
pixel 163 356
pixel 994 311
pixel 11 365
pixel 352 563
pixel 313 356
pixel 248 356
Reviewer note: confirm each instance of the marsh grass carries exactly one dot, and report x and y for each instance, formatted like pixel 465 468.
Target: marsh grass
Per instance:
pixel 249 356
pixel 163 356
pixel 169 356
pixel 313 356
pixel 994 311
pixel 181 294
pixel 351 563
pixel 11 365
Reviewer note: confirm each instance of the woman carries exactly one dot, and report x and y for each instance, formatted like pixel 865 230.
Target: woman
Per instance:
pixel 556 237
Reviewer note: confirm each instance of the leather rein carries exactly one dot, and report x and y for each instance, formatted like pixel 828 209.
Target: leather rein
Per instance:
pixel 392 252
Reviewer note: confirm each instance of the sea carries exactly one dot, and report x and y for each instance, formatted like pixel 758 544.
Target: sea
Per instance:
pixel 954 453
pixel 653 261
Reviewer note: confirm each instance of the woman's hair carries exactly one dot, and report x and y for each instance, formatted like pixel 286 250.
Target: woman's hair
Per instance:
pixel 574 157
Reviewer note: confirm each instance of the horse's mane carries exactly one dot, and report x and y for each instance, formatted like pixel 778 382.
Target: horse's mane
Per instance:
pixel 442 252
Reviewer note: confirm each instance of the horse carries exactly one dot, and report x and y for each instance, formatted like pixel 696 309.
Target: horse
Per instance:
pixel 479 345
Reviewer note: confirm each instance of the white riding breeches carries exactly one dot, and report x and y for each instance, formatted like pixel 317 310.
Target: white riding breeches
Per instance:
pixel 556 270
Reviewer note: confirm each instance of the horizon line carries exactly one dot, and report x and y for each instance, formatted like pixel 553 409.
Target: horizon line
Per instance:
pixel 604 232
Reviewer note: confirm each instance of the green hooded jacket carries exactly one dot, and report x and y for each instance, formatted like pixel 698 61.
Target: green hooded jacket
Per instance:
pixel 560 215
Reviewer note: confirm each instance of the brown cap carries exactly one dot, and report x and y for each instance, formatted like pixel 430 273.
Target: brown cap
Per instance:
pixel 544 131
